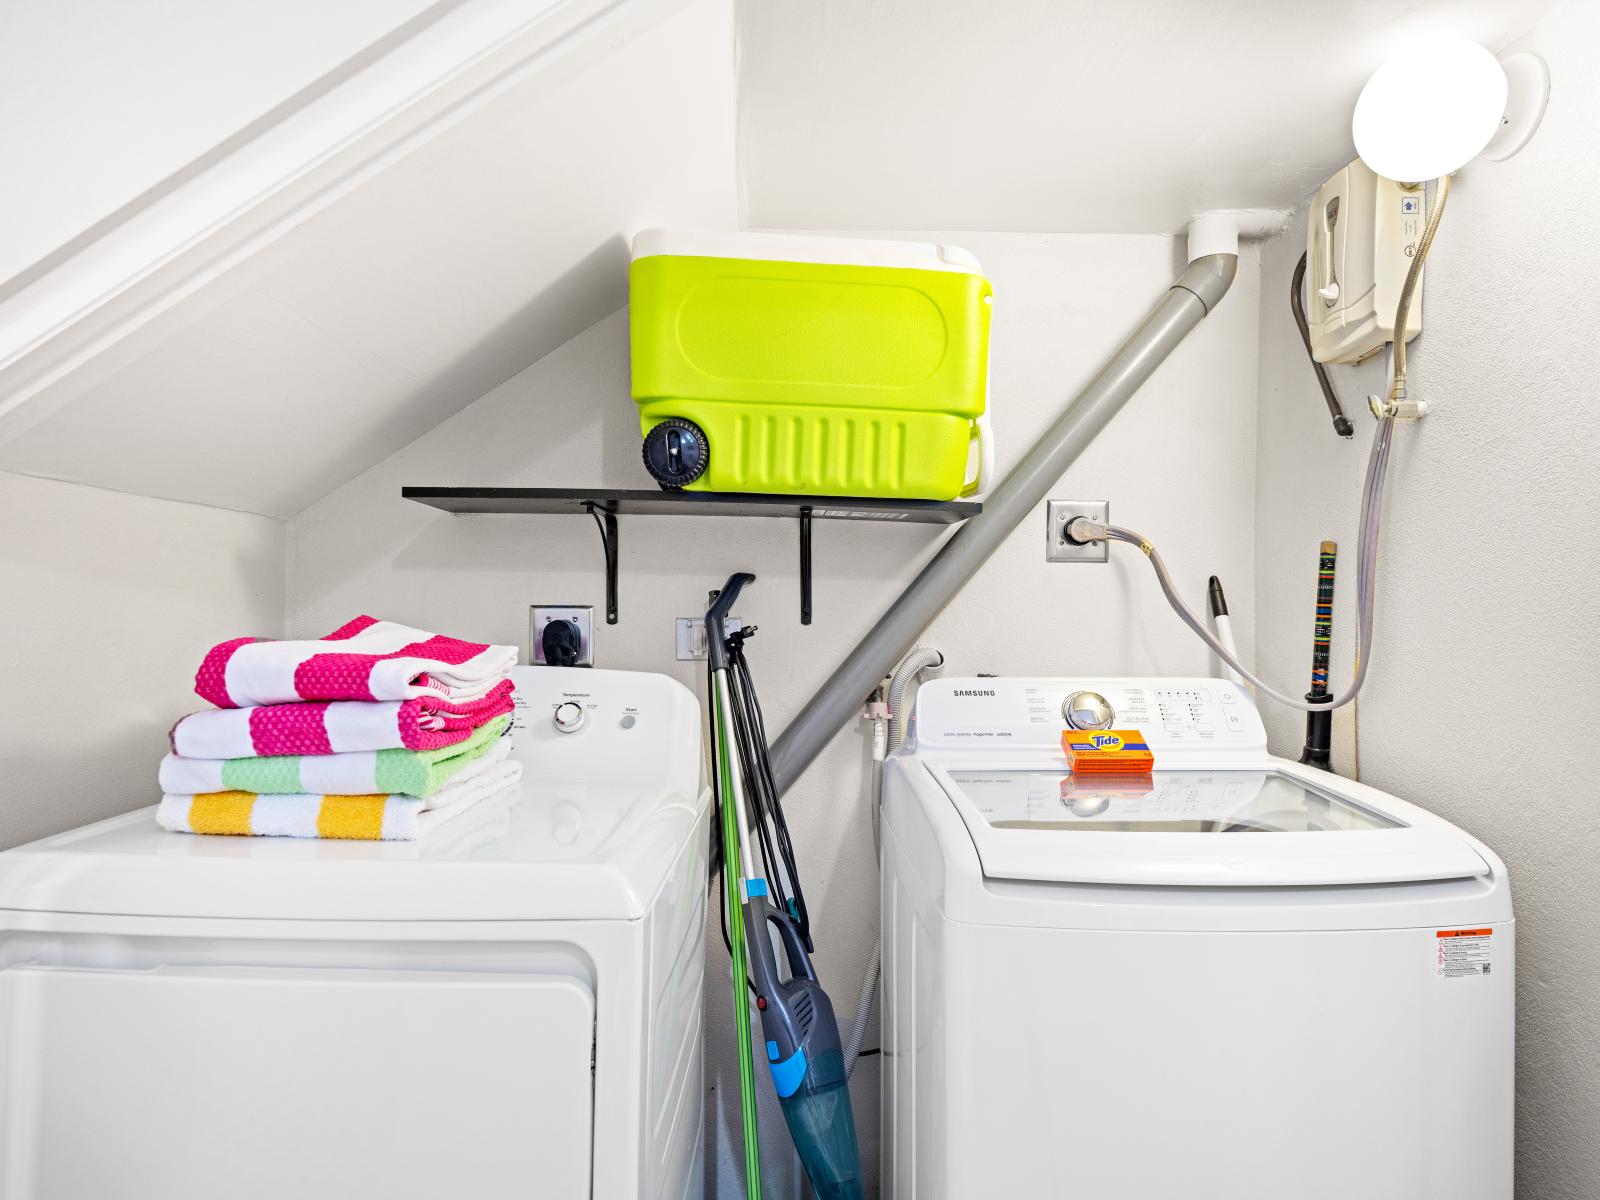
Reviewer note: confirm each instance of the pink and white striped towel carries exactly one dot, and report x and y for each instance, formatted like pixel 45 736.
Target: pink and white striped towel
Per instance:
pixel 336 727
pixel 365 659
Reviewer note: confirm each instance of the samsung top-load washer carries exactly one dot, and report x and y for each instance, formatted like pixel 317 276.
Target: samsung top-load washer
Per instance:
pixel 510 1007
pixel 1234 977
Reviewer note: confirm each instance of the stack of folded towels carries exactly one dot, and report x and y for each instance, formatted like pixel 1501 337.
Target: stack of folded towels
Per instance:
pixel 377 731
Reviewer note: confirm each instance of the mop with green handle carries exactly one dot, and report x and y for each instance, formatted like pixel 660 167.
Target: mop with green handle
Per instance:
pixel 734 850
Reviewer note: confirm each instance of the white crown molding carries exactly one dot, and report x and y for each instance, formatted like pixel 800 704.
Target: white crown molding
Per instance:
pixel 99 294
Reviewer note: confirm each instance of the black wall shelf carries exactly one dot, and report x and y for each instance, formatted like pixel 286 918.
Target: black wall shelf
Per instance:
pixel 606 505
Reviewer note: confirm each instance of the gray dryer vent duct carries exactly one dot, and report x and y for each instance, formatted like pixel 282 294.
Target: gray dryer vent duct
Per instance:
pixel 1197 291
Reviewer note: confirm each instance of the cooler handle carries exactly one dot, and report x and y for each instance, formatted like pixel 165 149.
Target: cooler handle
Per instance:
pixel 984 433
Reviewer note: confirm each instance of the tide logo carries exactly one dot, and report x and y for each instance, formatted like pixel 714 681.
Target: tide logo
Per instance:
pixel 1107 741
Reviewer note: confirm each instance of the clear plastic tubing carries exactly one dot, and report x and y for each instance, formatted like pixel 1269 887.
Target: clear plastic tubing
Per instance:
pixel 1084 530
pixel 1366 571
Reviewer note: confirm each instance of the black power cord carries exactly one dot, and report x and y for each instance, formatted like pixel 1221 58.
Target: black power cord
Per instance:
pixel 761 789
pixel 765 810
pixel 1341 423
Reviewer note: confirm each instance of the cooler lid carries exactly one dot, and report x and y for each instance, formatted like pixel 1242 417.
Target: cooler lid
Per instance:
pixel 590 833
pixel 805 248
pixel 1269 827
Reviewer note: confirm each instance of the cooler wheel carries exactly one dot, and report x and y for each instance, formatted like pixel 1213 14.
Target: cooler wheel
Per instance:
pixel 676 452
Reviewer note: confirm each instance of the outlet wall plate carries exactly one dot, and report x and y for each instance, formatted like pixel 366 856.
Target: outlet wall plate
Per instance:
pixel 581 615
pixel 691 636
pixel 1056 546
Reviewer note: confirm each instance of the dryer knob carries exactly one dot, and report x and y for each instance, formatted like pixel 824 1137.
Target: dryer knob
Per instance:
pixel 568 716
pixel 1088 710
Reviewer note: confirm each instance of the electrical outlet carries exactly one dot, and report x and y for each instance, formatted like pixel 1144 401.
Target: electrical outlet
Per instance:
pixel 1056 546
pixel 582 618
pixel 692 636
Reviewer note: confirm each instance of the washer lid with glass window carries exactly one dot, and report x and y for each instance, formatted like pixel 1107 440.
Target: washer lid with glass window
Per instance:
pixel 1225 828
pixel 1217 811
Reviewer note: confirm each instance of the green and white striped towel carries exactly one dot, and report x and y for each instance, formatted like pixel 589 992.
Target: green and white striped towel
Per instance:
pixel 358 773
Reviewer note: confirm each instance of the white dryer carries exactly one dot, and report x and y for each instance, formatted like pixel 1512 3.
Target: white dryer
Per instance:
pixel 1236 977
pixel 507 1008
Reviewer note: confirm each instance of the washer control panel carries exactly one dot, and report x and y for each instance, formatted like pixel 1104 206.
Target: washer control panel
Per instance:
pixel 1088 710
pixel 1178 715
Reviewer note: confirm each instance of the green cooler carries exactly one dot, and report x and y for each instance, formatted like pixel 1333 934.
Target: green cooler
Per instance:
pixel 809 365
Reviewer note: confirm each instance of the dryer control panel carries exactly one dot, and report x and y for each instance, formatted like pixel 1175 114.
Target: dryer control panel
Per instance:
pixel 1183 717
pixel 606 727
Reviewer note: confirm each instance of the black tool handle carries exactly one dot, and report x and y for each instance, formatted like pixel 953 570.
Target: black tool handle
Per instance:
pixel 794 944
pixel 1219 600
pixel 1318 750
pixel 716 618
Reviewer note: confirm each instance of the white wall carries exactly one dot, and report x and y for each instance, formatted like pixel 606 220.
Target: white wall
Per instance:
pixel 1178 463
pixel 1484 626
pixel 105 100
pixel 1067 115
pixel 110 603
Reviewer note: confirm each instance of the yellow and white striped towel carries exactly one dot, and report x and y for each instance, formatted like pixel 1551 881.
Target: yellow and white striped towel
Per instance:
pixel 365 818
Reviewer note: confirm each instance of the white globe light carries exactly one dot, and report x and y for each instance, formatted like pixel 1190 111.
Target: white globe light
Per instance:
pixel 1430 110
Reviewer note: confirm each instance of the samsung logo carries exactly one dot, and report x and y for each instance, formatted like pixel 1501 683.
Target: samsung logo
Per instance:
pixel 974 692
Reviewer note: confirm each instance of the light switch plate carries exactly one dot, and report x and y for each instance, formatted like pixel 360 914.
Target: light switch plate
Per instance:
pixel 1056 546
pixel 691 636
pixel 581 615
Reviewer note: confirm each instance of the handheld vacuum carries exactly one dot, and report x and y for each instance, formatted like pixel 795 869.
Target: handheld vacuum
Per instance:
pixel 798 1025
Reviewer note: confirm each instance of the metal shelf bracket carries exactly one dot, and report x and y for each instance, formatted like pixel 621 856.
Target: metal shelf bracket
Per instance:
pixel 607 521
pixel 805 565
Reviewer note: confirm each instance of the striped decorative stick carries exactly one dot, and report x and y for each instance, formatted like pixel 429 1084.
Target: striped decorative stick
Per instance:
pixel 1322 632
pixel 1318 750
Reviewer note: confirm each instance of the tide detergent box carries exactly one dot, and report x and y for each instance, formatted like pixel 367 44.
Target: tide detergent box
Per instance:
pixel 1107 751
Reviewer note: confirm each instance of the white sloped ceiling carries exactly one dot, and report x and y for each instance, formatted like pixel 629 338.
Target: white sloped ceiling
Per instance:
pixel 382 296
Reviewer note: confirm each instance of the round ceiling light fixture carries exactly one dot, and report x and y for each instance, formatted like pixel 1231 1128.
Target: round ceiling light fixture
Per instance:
pixel 1436 106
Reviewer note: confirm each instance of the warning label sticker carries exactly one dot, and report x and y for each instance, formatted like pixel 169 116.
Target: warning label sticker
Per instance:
pixel 1464 952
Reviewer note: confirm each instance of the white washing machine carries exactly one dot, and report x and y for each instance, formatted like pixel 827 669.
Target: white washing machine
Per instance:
pixel 1236 977
pixel 507 1008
